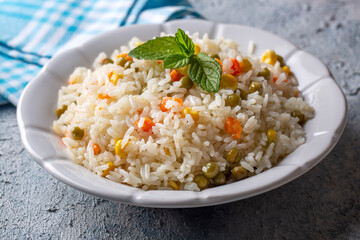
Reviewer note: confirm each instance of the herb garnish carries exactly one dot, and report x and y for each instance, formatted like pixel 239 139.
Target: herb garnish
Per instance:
pixel 179 51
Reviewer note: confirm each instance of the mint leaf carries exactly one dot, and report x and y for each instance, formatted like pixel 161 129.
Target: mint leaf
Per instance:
pixel 176 61
pixel 158 49
pixel 186 44
pixel 205 72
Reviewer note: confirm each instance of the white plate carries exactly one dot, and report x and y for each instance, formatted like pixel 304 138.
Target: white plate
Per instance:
pixel 36 112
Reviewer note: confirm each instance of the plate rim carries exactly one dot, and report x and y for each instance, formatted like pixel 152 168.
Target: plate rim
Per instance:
pixel 143 199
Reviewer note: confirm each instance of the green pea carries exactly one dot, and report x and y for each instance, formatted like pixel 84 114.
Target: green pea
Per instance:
pixel 227 171
pixel 211 169
pixel 215 55
pixel 220 179
pixel 122 61
pixel 299 115
pixel 233 155
pixel 61 110
pixel 186 82
pixel 228 81
pixel 280 59
pixel 202 181
pixel 232 100
pixel 77 133
pixel 107 61
pixel 265 73
pixel 239 172
pixel 128 64
pixel 255 87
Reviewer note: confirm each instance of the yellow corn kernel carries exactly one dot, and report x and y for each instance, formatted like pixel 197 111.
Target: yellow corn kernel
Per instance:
pixel 269 57
pixel 173 185
pixel 194 114
pixel 111 167
pixel 197 49
pixel 271 135
pixel 118 150
pixel 115 77
pixel 286 69
pixel 139 43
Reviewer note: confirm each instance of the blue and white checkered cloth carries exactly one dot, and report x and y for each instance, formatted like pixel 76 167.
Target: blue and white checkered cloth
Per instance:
pixel 32 31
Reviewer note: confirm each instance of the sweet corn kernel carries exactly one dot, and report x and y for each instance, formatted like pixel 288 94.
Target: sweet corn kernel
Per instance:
pixel 115 77
pixel 139 43
pixel 197 49
pixel 286 69
pixel 111 167
pixel 173 185
pixel 271 135
pixel 269 57
pixel 118 150
pixel 194 114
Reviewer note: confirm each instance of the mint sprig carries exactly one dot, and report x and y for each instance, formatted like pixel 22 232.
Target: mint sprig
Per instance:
pixel 206 72
pixel 179 51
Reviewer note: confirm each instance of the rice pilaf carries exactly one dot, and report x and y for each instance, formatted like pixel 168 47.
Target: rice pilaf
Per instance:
pixel 134 122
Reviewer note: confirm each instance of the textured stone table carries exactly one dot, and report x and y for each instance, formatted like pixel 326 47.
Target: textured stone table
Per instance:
pixel 322 204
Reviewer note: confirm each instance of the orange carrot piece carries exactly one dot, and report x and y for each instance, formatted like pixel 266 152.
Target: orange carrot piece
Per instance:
pixel 147 126
pixel 166 99
pixel 235 67
pixel 103 96
pixel 96 148
pixel 233 127
pixel 275 79
pixel 175 75
pixel 110 75
pixel 125 55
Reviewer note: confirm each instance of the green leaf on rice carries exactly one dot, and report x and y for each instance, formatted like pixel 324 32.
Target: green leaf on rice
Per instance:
pixel 179 51
pixel 158 49
pixel 176 61
pixel 205 72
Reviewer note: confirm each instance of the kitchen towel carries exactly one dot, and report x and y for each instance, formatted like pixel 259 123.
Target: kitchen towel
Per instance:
pixel 32 31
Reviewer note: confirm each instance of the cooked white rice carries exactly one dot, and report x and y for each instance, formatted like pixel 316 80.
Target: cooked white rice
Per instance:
pixel 177 147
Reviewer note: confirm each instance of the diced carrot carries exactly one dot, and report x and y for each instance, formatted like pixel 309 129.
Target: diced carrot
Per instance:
pixel 159 61
pixel 275 79
pixel 296 93
pixel 175 75
pixel 221 65
pixel 103 96
pixel 125 55
pixel 233 127
pixel 140 111
pixel 166 99
pixel 100 108
pixel 148 124
pixel 110 74
pixel 235 67
pixel 96 149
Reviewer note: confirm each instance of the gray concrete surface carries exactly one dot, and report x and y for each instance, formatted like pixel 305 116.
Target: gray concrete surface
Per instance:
pixel 322 204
